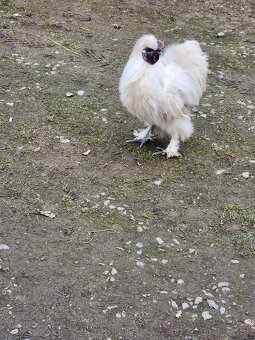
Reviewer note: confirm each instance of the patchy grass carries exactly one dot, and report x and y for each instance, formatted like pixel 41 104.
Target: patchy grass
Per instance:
pixel 244 243
pixel 233 213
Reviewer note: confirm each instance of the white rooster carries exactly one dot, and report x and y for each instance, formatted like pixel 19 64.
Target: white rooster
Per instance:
pixel 161 88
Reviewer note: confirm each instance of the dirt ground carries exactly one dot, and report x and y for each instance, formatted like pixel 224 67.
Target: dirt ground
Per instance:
pixel 133 246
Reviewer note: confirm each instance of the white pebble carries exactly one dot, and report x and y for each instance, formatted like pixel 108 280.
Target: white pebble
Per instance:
pixel 245 174
pixel 223 284
pixel 220 34
pixel 174 304
pixel 178 314
pixel 164 261
pixel 14 331
pixel 158 182
pixel 185 305
pixel 80 93
pixel 159 240
pixel 180 282
pixel 235 261
pixel 114 271
pixel 222 310
pixel 206 315
pixel 68 94
pixel 242 276
pixel 140 263
pixel 4 247
pixel 139 245
pixel 198 300
pixel 212 304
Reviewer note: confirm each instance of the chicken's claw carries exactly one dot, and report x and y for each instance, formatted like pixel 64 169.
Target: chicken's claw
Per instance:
pixel 168 153
pixel 142 136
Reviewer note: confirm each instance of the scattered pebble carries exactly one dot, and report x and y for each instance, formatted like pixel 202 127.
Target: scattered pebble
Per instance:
pixel 180 282
pixel 245 174
pixel 86 153
pixel 174 304
pixel 4 247
pixel 14 331
pixel 178 314
pixel 220 171
pixel 69 94
pixel 250 322
pixel 242 276
pixel 80 93
pixel 64 140
pixel 140 263
pixel 222 310
pixel 223 284
pixel 104 120
pixel 206 315
pixel 234 261
pixel 164 261
pixel 114 271
pixel 212 304
pixel 139 245
pixel 220 34
pixel 158 181
pixel 46 213
pixel 37 149
pixel 185 305
pixel 198 300
pixel 159 240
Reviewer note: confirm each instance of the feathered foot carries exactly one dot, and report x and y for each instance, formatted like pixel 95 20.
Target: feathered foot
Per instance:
pixel 142 136
pixel 171 151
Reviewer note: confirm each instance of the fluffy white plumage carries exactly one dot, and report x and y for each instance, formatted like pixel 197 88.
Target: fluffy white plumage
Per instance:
pixel 159 89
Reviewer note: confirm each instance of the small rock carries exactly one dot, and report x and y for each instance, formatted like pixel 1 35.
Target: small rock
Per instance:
pixel 64 140
pixel 220 34
pixel 180 282
pixel 140 263
pixel 250 322
pixel 86 153
pixel 185 305
pixel 139 245
pixel 14 331
pixel 242 276
pixel 178 314
pixel 225 290
pixel 223 284
pixel 234 261
pixel 80 93
pixel 4 247
pixel 159 240
pixel 37 149
pixel 158 181
pixel 114 271
pixel 69 94
pixel 198 300
pixel 174 304
pixel 212 304
pixel 164 261
pixel 220 171
pixel 245 174
pixel 206 315
pixel 222 310
pixel 46 213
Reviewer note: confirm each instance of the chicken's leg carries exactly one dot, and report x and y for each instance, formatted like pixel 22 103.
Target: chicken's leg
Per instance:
pixel 172 149
pixel 142 136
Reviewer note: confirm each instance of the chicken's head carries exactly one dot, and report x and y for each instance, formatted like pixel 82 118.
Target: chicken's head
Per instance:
pixel 149 47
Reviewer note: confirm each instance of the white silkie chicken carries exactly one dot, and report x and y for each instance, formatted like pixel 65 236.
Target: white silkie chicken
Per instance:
pixel 161 88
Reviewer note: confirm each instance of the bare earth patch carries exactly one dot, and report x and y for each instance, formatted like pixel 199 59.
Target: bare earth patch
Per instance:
pixel 98 239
